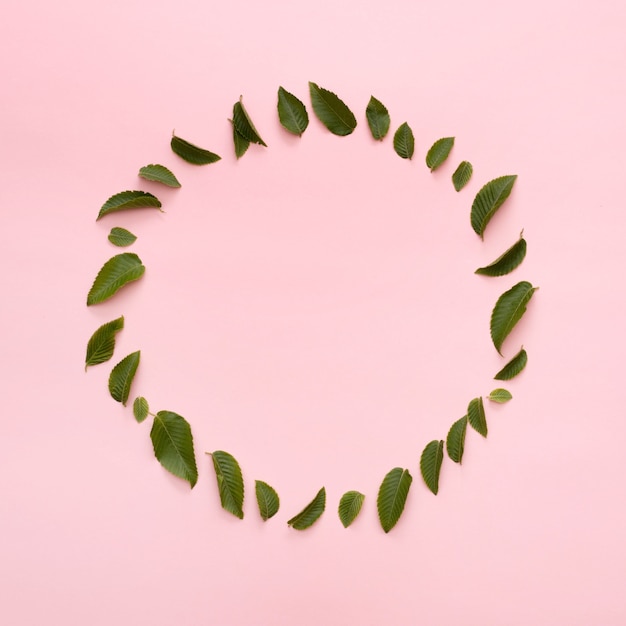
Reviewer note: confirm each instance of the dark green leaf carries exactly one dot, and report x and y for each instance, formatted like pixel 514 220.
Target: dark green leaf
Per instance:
pixel 462 175
pixel 439 152
pixel 159 174
pixel 129 200
pixel 508 310
pixel 500 396
pixel 513 367
pixel 102 343
pixel 267 499
pixel 332 111
pixel 476 416
pixel 292 112
pixel 455 441
pixel 488 200
pixel 350 506
pixel 507 261
pixel 121 237
pixel 114 274
pixel 244 124
pixel 430 464
pixel 241 144
pixel 141 409
pixel 310 513
pixel 229 482
pixel 377 118
pixel 392 497
pixel 192 153
pixel 122 376
pixel 404 142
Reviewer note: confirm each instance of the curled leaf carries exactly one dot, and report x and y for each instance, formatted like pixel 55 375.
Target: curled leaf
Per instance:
pixel 244 124
pixel 476 416
pixel 114 274
pixel 488 200
pixel 121 237
pixel 141 409
pixel 507 261
pixel 102 343
pixel 159 174
pixel 241 144
pixel 430 464
pixel 513 367
pixel 122 376
pixel 377 118
pixel 350 506
pixel 404 142
pixel 129 200
pixel 332 111
pixel 267 499
pixel 392 496
pixel 439 152
pixel 229 482
pixel 462 175
pixel 310 513
pixel 509 308
pixel 500 396
pixel 192 153
pixel 292 112
pixel 455 441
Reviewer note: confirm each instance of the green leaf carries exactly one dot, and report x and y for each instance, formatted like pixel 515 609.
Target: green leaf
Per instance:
pixel 476 416
pixel 129 200
pixel 102 343
pixel 332 111
pixel 141 409
pixel 508 310
pixel 292 112
pixel 244 124
pixel 267 499
pixel 513 367
pixel 462 175
pixel 507 261
pixel 455 441
pixel 350 506
pixel 121 237
pixel 430 464
pixel 310 513
pixel 392 497
pixel 439 152
pixel 159 174
pixel 500 396
pixel 377 118
pixel 241 144
pixel 192 153
pixel 488 200
pixel 114 274
pixel 173 445
pixel 229 482
pixel 122 376
pixel 404 142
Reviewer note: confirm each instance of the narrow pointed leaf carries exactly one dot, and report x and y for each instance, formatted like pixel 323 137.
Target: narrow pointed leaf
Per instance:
pixel 267 499
pixel 129 200
pixel 508 310
pixel 122 376
pixel 507 261
pixel 476 416
pixel 102 343
pixel 350 506
pixel 462 175
pixel 404 142
pixel 310 513
pixel 392 497
pixel 173 445
pixel 332 111
pixel 455 441
pixel 159 174
pixel 121 237
pixel 513 367
pixel 229 482
pixel 430 464
pixel 439 152
pixel 292 112
pixel 377 118
pixel 192 153
pixel 500 396
pixel 114 274
pixel 244 124
pixel 140 409
pixel 241 144
pixel 488 200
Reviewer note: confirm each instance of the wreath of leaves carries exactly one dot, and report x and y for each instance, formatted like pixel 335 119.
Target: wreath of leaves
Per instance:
pixel 171 434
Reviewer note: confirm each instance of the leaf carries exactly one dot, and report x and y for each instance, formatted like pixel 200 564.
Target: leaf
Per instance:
pixel 114 274
pixel 141 409
pixel 507 261
pixel 500 396
pixel 121 237
pixel 377 118
pixel 122 376
pixel 404 142
pixel 102 343
pixel 430 464
pixel 455 441
pixel 173 445
pixel 129 200
pixel 244 124
pixel 476 416
pixel 439 152
pixel 192 153
pixel 229 482
pixel 462 175
pixel 241 144
pixel 508 310
pixel 310 513
pixel 350 506
pixel 267 499
pixel 292 112
pixel 332 111
pixel 159 174
pixel 513 367
pixel 488 200
pixel 392 497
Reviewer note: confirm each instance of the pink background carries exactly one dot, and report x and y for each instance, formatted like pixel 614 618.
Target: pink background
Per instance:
pixel 312 309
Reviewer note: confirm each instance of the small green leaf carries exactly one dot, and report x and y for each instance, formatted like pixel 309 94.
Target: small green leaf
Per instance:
pixel 292 112
pixel 229 482
pixel 122 376
pixel 192 153
pixel 377 118
pixel 121 237
pixel 244 124
pixel 513 367
pixel 332 111
pixel 350 506
pixel 507 261
pixel 141 409
pixel 159 174
pixel 476 416
pixel 508 310
pixel 439 152
pixel 267 499
pixel 488 200
pixel 455 441
pixel 129 200
pixel 404 142
pixel 500 396
pixel 392 497
pixel 173 445
pixel 241 144
pixel 430 464
pixel 462 175
pixel 102 343
pixel 114 274
pixel 310 513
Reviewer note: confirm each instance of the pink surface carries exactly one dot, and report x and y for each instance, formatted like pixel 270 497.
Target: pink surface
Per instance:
pixel 313 310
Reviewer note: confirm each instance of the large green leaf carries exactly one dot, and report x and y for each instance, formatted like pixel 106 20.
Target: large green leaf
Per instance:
pixel 500 396
pixel 455 441
pixel 476 416
pixel 114 274
pixel 513 367
pixel 192 153
pixel 122 376
pixel 377 118
pixel 310 513
pixel 129 200
pixel 350 506
pixel 462 175
pixel 430 464
pixel 404 142
pixel 508 310
pixel 292 112
pixel 392 497
pixel 332 111
pixel 229 482
pixel 488 200
pixel 439 152
pixel 507 261
pixel 267 499
pixel 244 124
pixel 159 174
pixel 173 445
pixel 121 237
pixel 241 144
pixel 102 343
pixel 141 409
